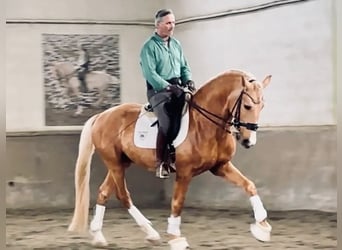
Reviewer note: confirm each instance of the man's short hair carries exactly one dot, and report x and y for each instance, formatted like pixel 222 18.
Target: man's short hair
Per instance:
pixel 160 14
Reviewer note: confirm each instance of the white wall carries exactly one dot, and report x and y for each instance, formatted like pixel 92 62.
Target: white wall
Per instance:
pixel 80 9
pixel 294 43
pixel 24 68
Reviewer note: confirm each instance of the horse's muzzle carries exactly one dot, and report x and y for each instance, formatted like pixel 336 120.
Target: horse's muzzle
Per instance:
pixel 246 143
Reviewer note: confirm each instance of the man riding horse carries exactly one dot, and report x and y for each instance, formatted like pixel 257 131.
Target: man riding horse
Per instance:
pixel 83 63
pixel 166 72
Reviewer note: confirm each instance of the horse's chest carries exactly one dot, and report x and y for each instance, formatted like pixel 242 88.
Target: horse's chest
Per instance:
pixel 226 151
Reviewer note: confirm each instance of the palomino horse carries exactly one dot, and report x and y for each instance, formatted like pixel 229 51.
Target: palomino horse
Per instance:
pixel 227 105
pixel 66 73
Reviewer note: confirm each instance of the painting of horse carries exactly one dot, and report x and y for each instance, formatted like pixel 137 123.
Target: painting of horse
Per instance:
pixel 224 111
pixel 67 75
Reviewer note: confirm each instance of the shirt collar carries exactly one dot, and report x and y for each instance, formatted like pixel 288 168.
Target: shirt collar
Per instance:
pixel 159 39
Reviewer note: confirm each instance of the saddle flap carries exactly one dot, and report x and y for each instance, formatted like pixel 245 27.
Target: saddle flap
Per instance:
pixel 145 135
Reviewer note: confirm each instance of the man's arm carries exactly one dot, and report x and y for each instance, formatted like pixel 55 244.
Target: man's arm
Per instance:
pixel 148 66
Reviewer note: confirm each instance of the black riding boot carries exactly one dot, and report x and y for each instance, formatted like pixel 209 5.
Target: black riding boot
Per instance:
pixel 84 86
pixel 81 77
pixel 161 167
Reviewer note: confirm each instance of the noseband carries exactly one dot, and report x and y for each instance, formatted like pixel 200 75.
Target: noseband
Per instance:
pixel 233 118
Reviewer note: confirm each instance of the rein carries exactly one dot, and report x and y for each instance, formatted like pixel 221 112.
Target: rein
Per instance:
pixel 232 120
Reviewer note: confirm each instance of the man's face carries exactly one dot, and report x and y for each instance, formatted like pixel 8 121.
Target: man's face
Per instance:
pixel 166 26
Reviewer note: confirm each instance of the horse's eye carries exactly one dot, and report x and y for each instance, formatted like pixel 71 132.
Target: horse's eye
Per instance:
pixel 248 107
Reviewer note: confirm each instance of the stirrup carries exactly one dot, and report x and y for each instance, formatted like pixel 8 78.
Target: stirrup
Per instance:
pixel 148 107
pixel 161 172
pixel 172 167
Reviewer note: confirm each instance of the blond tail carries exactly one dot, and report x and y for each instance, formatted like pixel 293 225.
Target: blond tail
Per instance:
pixel 79 221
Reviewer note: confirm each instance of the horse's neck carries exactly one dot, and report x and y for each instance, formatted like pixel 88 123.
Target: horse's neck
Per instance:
pixel 67 68
pixel 214 95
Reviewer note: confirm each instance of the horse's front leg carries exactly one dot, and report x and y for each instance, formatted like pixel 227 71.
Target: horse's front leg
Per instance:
pixel 102 96
pixel 261 230
pixel 174 221
pixel 79 107
pixel 77 96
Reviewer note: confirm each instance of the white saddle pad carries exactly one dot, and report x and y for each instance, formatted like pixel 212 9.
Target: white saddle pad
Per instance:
pixel 145 136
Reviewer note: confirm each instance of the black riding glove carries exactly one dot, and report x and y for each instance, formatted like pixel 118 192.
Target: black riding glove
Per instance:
pixel 191 85
pixel 174 90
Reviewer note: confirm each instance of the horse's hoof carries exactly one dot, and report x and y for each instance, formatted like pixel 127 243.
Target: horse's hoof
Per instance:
pixel 153 238
pixel 260 232
pixel 179 244
pixel 98 239
pixel 99 243
pixel 153 241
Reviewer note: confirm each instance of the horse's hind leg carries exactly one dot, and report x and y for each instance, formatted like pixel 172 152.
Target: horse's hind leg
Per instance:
pixel 105 190
pixel 122 193
pixel 261 230
pixel 115 182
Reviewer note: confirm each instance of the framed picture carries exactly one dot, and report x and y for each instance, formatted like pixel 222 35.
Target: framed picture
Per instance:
pixel 81 76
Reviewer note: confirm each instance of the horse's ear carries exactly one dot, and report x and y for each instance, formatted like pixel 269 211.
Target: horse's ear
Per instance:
pixel 266 81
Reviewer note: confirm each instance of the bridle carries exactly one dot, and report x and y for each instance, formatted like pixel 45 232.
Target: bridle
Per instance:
pixel 233 118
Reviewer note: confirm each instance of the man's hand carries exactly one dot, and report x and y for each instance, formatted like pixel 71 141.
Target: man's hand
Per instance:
pixel 191 85
pixel 175 90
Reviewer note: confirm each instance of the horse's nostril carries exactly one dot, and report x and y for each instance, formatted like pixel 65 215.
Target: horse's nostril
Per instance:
pixel 245 143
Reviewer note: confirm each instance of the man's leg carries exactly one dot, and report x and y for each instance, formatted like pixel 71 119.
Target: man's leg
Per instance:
pixel 161 168
pixel 175 114
pixel 174 110
pixel 158 103
pixel 81 77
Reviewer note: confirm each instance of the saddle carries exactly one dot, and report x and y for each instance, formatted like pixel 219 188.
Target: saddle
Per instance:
pixel 146 130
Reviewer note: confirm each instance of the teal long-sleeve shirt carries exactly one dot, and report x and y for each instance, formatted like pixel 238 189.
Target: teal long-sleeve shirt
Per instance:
pixel 160 62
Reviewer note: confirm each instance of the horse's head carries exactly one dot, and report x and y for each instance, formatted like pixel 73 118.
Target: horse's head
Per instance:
pixel 246 108
pixel 232 101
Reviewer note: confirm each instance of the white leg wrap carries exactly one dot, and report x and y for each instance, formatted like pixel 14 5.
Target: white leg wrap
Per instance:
pixel 259 211
pixel 174 225
pixel 139 218
pixel 145 224
pixel 97 222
